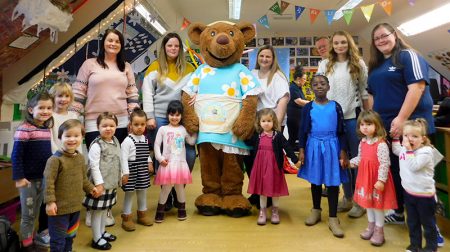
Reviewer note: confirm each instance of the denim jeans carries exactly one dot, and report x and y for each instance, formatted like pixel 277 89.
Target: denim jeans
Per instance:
pixel 31 198
pixel 352 144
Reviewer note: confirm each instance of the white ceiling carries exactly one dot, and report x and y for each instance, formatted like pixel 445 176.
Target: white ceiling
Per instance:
pixel 207 11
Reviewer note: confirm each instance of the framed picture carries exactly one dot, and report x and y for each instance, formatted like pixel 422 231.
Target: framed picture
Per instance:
pixel 291 41
pixel 356 39
pixel 278 41
pixel 292 62
pixel 291 52
pixel 314 62
pixel 305 41
pixel 263 41
pixel 313 52
pixel 252 43
pixel 302 62
pixel 302 51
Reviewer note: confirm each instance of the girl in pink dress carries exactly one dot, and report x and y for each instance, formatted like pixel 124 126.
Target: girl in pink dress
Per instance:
pixel 173 170
pixel 267 176
pixel 374 185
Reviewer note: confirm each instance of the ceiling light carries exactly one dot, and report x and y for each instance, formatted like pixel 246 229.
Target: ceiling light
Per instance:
pixel 144 13
pixel 427 21
pixel 347 6
pixel 234 9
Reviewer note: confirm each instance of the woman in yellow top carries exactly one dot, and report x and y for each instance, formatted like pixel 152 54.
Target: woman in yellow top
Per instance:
pixel 163 82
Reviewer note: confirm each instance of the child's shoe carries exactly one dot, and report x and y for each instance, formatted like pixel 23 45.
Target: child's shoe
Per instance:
pixel 440 238
pixel 344 205
pixel 356 211
pixel 275 219
pixel 377 237
pixel 181 211
pixel 335 227
pixel 367 234
pixel 110 221
pixel 314 217
pixel 42 239
pixel 105 245
pixel 109 237
pixel 262 218
pixel 127 222
pixel 412 248
pixel 159 217
pixel 394 218
pixel 143 218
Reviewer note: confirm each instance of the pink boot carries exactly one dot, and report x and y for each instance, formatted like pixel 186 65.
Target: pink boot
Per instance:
pixel 367 234
pixel 377 237
pixel 262 216
pixel 275 219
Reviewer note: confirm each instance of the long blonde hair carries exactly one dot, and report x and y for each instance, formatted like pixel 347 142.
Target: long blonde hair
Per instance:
pixel 274 68
pixel 180 63
pixel 421 125
pixel 353 56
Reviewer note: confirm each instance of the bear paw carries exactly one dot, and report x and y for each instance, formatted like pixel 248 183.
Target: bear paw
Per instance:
pixel 208 204
pixel 236 205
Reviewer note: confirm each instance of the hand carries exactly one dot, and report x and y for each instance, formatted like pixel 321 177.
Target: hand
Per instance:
pixel 22 183
pixel 150 168
pixel 51 209
pixel 396 126
pixel 301 156
pixel 163 163
pixel 151 123
pixel 343 160
pixel 407 144
pixel 379 185
pixel 352 165
pixel 298 164
pixel 192 100
pixel 100 190
pixel 94 192
pixel 125 179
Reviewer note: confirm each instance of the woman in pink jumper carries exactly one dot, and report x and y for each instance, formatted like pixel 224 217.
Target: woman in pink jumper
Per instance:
pixel 106 84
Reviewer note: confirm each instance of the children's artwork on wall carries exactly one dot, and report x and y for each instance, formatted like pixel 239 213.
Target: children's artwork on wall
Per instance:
pixel 278 41
pixel 442 55
pixel 291 52
pixel 305 41
pixel 313 52
pixel 292 63
pixel 252 43
pixel 314 62
pixel 302 62
pixel 263 41
pixel 291 41
pixel 302 51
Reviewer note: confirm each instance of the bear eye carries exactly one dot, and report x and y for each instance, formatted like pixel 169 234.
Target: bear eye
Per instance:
pixel 231 33
pixel 213 34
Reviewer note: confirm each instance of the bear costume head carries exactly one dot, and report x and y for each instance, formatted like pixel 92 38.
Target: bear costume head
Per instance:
pixel 222 42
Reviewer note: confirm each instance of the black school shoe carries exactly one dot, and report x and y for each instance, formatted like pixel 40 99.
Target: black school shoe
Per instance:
pixel 106 246
pixel 110 238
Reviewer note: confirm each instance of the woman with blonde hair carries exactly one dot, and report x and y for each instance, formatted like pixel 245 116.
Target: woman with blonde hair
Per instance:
pixel 347 74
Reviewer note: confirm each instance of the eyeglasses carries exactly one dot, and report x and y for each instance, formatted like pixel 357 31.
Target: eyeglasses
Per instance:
pixel 381 37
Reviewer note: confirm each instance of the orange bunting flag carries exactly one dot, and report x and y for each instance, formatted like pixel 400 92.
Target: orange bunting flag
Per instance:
pixel 284 6
pixel 367 11
pixel 313 13
pixel 185 24
pixel 387 6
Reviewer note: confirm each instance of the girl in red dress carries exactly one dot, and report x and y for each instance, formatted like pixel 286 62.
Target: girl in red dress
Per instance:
pixel 374 185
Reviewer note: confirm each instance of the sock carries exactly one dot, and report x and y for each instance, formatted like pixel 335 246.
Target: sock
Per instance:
pixel 142 200
pixel 262 201
pixel 379 217
pixel 127 202
pixel 371 215
pixel 96 223
pixel 181 196
pixel 165 190
pixel 276 201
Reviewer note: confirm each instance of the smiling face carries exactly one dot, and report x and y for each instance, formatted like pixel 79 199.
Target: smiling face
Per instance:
pixel 172 48
pixel 265 59
pixel 62 101
pixel 112 44
pixel 384 40
pixel 340 45
pixel 322 47
pixel 42 111
pixel 174 119
pixel 71 139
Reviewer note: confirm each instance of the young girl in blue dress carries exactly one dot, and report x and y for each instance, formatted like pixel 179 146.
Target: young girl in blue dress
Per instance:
pixel 322 151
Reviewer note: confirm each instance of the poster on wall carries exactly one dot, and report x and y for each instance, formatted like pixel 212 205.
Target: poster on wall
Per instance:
pixel 442 56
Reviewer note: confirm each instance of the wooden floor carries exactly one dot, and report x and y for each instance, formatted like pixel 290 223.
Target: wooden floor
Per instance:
pixel 223 233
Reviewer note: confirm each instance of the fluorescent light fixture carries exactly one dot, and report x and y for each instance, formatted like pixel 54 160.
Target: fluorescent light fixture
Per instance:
pixel 234 9
pixel 427 21
pixel 144 13
pixel 348 5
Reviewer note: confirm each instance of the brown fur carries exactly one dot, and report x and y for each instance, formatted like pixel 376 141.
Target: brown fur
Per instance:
pixel 222 44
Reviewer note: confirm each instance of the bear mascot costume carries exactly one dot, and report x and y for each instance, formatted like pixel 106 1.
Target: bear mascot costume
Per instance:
pixel 226 95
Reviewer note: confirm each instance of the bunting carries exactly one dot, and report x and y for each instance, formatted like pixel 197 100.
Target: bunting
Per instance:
pixel 284 5
pixel 264 21
pixel 387 6
pixel 330 15
pixel 298 11
pixel 276 8
pixel 313 13
pixel 185 24
pixel 348 15
pixel 367 11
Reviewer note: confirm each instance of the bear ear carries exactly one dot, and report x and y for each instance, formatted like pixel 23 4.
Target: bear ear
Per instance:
pixel 248 30
pixel 194 32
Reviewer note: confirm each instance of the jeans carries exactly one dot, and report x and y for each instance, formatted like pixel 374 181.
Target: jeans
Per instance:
pixel 31 198
pixel 352 143
pixel 62 230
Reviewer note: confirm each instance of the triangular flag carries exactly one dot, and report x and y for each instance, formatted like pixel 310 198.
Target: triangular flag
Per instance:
pixel 367 11
pixel 284 5
pixel 348 15
pixel 387 6
pixel 313 13
pixel 412 2
pixel 264 21
pixel 298 11
pixel 276 8
pixel 330 15
pixel 185 24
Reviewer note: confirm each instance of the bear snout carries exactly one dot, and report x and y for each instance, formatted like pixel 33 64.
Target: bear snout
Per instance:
pixel 223 40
